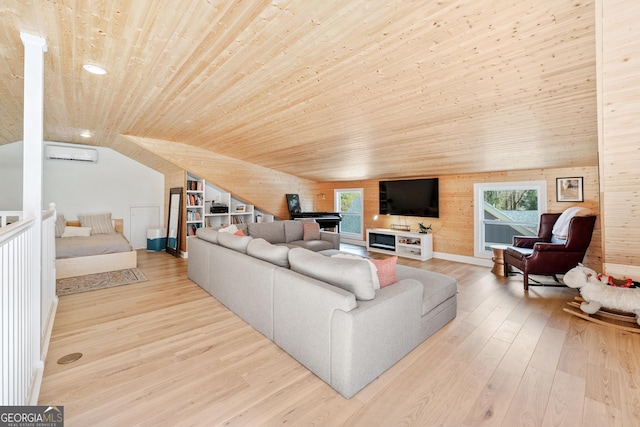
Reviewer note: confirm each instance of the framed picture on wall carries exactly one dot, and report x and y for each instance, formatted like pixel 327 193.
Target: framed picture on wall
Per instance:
pixel 569 189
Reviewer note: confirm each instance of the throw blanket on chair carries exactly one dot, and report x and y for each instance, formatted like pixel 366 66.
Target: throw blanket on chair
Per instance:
pixel 561 227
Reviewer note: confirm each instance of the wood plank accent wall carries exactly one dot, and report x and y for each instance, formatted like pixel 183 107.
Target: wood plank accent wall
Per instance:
pixel 453 232
pixel 618 36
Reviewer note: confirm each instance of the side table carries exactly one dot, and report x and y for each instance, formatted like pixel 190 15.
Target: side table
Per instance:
pixel 498 259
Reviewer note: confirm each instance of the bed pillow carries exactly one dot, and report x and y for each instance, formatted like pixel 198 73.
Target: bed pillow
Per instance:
pixel 99 223
pixel 61 223
pixel 76 232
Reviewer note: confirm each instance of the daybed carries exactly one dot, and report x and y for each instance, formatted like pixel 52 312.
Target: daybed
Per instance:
pixel 323 308
pixel 93 244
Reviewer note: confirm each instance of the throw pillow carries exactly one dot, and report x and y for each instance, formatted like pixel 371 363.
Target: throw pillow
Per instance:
pixel 311 231
pixel 229 229
pixel 99 223
pixel 76 232
pixel 239 233
pixel 61 223
pixel 386 270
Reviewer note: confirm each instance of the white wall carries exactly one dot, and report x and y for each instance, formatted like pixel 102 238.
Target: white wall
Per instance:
pixel 114 184
pixel 11 177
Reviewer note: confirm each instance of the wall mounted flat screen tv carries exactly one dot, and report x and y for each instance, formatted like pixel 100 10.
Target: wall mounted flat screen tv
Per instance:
pixel 410 197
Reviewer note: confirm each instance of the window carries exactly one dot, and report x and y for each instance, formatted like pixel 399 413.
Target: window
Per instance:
pixel 504 210
pixel 349 205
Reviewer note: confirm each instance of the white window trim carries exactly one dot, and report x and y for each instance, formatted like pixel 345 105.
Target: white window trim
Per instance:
pixel 355 238
pixel 478 200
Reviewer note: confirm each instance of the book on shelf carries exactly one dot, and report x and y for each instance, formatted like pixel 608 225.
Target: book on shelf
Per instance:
pixel 194 215
pixel 237 220
pixel 193 185
pixel 192 228
pixel 195 200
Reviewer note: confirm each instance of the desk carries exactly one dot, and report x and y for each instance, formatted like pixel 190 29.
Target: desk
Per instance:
pixel 498 259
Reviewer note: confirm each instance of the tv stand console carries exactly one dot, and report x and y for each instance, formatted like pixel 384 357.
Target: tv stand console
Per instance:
pixel 400 243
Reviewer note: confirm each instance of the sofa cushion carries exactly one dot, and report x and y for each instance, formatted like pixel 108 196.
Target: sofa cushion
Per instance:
pixel 231 241
pixel 349 274
pixel 293 230
pixel 312 245
pixel 208 234
pixel 272 232
pixel 261 249
pixel 437 288
pixel 372 266
pixel 310 231
pixel 386 270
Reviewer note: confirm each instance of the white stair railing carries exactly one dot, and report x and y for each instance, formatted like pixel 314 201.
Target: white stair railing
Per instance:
pixel 22 361
pixel 18 368
pixel 49 300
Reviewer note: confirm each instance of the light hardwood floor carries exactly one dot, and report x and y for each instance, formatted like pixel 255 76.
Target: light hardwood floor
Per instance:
pixel 165 353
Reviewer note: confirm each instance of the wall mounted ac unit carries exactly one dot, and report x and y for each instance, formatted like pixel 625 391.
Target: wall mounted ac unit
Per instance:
pixel 65 152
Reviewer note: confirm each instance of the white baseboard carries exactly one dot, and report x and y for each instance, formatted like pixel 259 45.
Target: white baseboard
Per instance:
pixel 465 259
pixel 356 242
pixel 621 270
pixel 484 262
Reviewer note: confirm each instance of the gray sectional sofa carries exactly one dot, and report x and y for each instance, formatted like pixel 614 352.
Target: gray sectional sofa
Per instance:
pixel 322 309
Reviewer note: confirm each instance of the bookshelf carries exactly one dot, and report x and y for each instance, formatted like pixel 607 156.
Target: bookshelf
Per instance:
pixel 227 209
pixel 194 204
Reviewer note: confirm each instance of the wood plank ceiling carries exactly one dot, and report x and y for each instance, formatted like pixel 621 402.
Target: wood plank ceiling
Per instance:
pixel 323 90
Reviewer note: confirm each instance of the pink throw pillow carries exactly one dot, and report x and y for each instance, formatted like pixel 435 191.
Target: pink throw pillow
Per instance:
pixel 239 233
pixel 311 230
pixel 386 270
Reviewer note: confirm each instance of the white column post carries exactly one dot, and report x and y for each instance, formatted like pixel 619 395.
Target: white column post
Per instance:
pixel 34 48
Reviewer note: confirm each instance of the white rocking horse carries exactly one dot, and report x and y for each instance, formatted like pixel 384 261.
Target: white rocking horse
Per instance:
pixel 612 299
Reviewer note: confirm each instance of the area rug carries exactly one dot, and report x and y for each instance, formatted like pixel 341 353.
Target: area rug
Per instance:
pixel 90 282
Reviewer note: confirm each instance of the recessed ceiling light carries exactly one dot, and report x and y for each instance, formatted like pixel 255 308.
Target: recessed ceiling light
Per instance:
pixel 94 69
pixel 86 134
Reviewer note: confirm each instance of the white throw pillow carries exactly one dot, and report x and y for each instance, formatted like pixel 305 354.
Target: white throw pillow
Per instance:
pixel 230 229
pixel 76 232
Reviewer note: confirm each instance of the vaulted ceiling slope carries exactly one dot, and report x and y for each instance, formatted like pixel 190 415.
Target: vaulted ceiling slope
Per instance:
pixel 323 90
